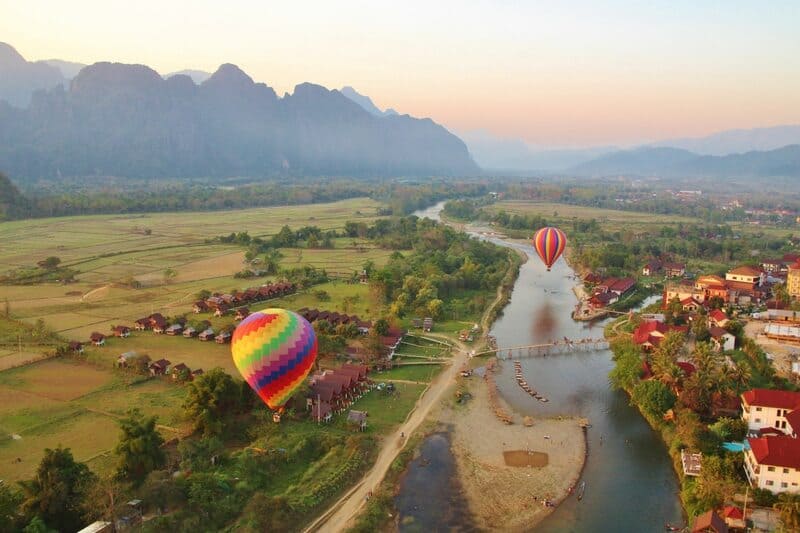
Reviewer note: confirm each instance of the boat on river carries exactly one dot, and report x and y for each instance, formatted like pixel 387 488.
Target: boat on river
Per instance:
pixel 581 490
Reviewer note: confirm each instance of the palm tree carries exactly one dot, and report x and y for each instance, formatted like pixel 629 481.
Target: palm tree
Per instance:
pixel 789 506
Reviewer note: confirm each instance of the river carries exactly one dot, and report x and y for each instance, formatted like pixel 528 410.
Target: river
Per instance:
pixel 630 483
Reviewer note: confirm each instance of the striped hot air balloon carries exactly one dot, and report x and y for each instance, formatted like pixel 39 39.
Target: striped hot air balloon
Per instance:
pixel 274 351
pixel 549 243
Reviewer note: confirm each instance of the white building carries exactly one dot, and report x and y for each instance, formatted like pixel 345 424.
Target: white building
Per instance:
pixel 772 461
pixel 766 408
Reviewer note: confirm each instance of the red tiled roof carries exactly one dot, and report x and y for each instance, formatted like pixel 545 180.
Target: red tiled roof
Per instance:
pixel 794 420
pixel 779 399
pixel 688 368
pixel 717 332
pixel 718 315
pixel 776 451
pixel 732 512
pixel 745 271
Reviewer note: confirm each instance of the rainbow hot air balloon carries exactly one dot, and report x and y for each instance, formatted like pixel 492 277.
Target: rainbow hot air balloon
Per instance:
pixel 549 243
pixel 274 350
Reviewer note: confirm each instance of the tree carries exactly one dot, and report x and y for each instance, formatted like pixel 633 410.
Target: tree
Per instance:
pixel 203 294
pixel 10 502
pixel 381 326
pixel 729 429
pixel 434 308
pixel 104 500
pixel 139 448
pixel 56 492
pixel 628 365
pixel 37 525
pixel 197 454
pixel 169 275
pixel 789 506
pixel 653 396
pixel 718 480
pixel 51 263
pixel 210 399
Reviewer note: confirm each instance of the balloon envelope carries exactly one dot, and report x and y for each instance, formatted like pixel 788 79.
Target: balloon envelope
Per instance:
pixel 549 244
pixel 274 350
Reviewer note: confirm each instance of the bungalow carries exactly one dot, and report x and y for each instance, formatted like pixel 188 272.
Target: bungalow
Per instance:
pixel 223 338
pixel 98 339
pixel 651 268
pixel 180 370
pixel 718 318
pixel 618 286
pixel 206 335
pixel 159 368
pixel 322 411
pixel 674 270
pixel 190 332
pixel 142 324
pixel 709 522
pixel 157 321
pixel 602 300
pixel 196 373
pixel 734 517
pixel 174 329
pixel 357 419
pixel 767 408
pixel 75 346
pixel 691 305
pixel 722 340
pixel 773 463
pixel 241 313
pixel 124 359
pixel 650 334
pixel 221 310
pixel 200 306
pixel 122 331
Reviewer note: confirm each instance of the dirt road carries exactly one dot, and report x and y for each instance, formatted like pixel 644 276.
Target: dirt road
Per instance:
pixel 339 516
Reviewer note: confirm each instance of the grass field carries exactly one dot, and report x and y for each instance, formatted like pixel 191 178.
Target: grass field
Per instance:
pixel 420 373
pixel 62 402
pixel 108 251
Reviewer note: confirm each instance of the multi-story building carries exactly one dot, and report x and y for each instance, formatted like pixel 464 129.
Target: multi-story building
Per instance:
pixel 793 280
pixel 773 463
pixel 767 408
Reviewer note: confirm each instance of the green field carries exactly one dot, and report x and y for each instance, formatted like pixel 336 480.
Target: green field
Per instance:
pixel 419 373
pixel 61 402
pixel 109 251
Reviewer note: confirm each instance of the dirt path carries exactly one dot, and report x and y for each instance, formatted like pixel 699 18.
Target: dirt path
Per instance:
pixel 340 515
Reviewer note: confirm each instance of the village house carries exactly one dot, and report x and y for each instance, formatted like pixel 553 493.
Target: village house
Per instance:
pixel 97 338
pixel 75 346
pixel 651 268
pixel 709 522
pixel 602 300
pixel 717 318
pixel 618 286
pixel 241 313
pixel 691 305
pixel 207 335
pixel 674 270
pixel 122 331
pixel 322 412
pixel 774 266
pixel 159 368
pixel 221 310
pixel 197 372
pixel 223 338
pixel 721 339
pixel 179 371
pixel 200 306
pixel 772 409
pixel 649 334
pixel 189 332
pixel 142 324
pixel 174 329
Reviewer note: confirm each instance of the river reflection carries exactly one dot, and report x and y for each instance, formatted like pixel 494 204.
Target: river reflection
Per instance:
pixel 630 484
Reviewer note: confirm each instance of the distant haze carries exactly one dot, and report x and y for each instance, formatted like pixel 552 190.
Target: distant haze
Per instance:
pixel 573 74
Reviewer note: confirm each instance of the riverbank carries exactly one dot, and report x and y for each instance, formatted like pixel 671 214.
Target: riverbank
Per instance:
pixel 504 497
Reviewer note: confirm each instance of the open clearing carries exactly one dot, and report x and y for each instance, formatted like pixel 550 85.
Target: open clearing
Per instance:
pixel 109 251
pixel 76 405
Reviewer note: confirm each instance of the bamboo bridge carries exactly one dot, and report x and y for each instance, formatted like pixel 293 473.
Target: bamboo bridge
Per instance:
pixel 550 348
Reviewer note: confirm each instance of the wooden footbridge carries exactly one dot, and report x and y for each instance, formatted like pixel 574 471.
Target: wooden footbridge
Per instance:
pixel 550 348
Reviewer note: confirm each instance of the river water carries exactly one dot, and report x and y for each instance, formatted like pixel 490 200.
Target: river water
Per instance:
pixel 630 483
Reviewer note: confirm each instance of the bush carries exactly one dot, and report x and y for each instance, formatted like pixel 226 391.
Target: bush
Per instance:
pixel 653 396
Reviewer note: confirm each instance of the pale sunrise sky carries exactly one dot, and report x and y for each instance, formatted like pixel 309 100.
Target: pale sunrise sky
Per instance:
pixel 553 73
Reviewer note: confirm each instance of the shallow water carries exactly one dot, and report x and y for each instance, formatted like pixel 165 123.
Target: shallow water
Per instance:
pixel 630 483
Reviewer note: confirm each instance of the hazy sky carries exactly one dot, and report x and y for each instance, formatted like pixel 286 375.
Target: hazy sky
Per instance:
pixel 553 73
